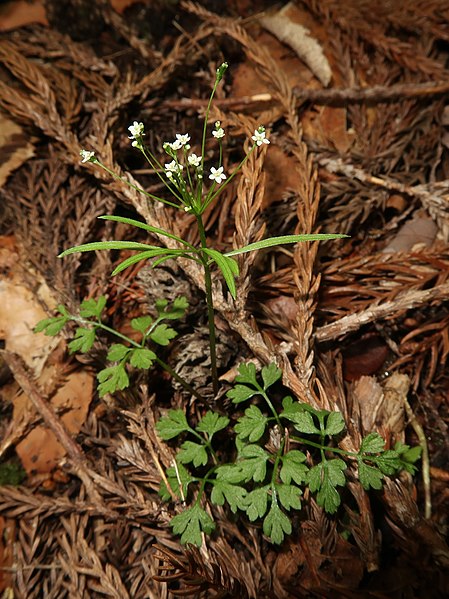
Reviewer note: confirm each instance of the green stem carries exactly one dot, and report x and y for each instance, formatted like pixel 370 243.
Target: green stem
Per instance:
pixel 270 405
pixel 211 195
pixel 178 378
pixel 164 365
pixel 210 306
pixel 150 195
pixel 324 447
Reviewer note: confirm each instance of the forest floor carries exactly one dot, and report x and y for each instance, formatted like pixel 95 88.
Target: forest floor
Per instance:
pixel 357 115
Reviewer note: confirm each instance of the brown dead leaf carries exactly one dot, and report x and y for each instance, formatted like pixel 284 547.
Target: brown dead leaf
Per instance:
pixel 420 231
pixel 21 311
pixel 40 452
pixel 15 147
pixel 287 26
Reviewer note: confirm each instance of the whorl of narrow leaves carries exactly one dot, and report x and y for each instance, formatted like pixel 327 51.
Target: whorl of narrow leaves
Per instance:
pixel 261 484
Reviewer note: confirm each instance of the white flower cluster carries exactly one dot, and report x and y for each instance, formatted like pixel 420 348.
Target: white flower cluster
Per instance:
pixel 137 132
pixel 260 137
pixel 87 156
pixel 182 142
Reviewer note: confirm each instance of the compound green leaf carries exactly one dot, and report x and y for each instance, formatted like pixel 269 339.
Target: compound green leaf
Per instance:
pixel 141 324
pixel 83 340
pixel 241 393
pixel 334 424
pixel 289 496
pixel 192 452
pixel 211 423
pixel 247 374
pixel 176 310
pixel 252 425
pixel 293 467
pixel 276 524
pixel 93 307
pixel 163 334
pixel 372 443
pixel 176 476
pixel 117 352
pixel 112 379
pixel 369 476
pixel 51 326
pixel 270 375
pixel 253 462
pixel 257 503
pixel 142 358
pixel 234 495
pixel 172 425
pixel 304 423
pixel 191 523
pixel 325 478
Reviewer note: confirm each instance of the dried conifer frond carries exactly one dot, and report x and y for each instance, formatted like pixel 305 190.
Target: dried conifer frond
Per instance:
pixel 198 575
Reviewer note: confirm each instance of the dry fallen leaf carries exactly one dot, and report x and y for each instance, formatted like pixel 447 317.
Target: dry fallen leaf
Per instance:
pixel 39 451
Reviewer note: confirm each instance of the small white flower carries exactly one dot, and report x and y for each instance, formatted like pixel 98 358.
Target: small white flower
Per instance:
pixel 217 175
pixel 176 145
pixel 259 136
pixel 136 130
pixel 194 160
pixel 173 168
pixel 86 155
pixel 182 139
pixel 219 133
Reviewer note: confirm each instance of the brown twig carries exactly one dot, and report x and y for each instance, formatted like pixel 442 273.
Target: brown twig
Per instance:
pixel 24 378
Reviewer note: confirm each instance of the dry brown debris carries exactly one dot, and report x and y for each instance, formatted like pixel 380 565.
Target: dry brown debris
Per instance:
pixel 367 157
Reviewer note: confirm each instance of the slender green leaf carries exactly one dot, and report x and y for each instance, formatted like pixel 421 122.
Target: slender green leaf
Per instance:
pixel 274 241
pixel 149 228
pixel 138 257
pixel 228 267
pixel 107 245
